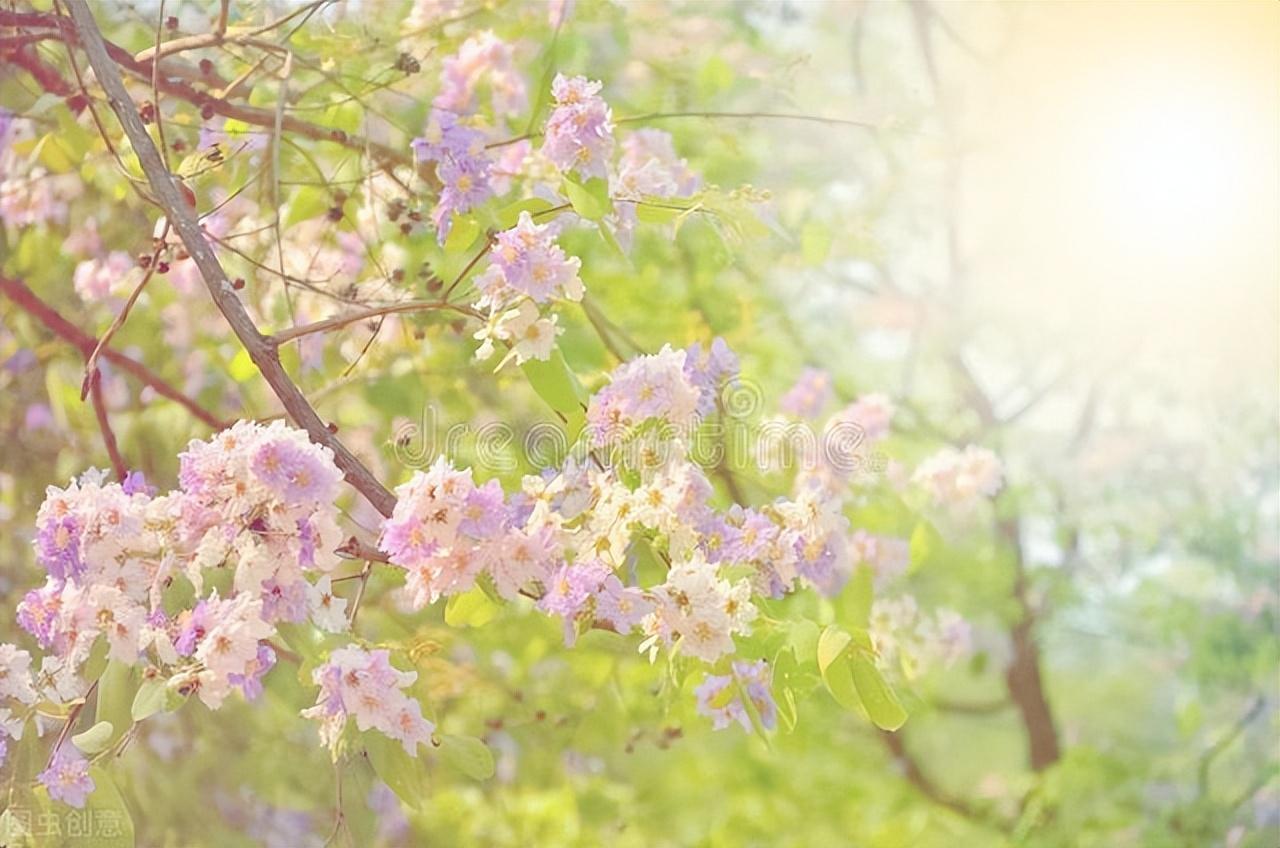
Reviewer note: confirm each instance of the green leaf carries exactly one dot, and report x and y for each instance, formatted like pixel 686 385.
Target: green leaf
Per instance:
pixel 53 154
pixel 839 683
pixel 714 76
pixel 462 234
pixel 508 216
pixel 152 697
pixel 403 773
pixel 831 645
pixel 346 116
pixel 94 740
pixel 115 696
pixel 589 199
pixel 106 809
pixel 468 755
pixel 308 202
pixel 470 609
pixel 859 597
pixel 881 704
pixel 241 367
pixel 559 387
pixel 657 213
pixel 803 639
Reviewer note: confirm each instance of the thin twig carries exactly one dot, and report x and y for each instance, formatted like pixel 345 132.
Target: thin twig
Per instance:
pixel 104 424
pixel 18 292
pixel 261 351
pixel 91 364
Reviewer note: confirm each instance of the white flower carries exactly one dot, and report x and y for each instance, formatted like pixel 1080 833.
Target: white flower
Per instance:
pixel 328 611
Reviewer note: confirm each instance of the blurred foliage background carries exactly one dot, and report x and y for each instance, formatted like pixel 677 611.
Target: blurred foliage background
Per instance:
pixel 946 253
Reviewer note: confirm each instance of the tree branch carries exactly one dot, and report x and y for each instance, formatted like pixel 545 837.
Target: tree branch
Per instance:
pixel 183 220
pixel 25 298
pixel 260 117
pixel 104 424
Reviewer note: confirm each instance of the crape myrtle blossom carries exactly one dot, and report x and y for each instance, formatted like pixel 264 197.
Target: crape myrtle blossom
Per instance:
pixel 67 777
pixel 96 279
pixel 960 478
pixel 628 546
pixel 720 696
pixel 483 59
pixel 647 168
pixel 462 166
pixel 811 392
pixel 655 387
pixel 17 694
pixel 363 685
pixel 911 640
pixel 578 135
pixel 527 267
pixel 699 610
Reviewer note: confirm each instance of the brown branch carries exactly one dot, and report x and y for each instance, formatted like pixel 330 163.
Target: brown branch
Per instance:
pixel 260 117
pixel 916 777
pixel 1023 678
pixel 104 424
pixel 181 217
pixel 339 321
pixel 25 298
pixel 45 75
pixel 91 364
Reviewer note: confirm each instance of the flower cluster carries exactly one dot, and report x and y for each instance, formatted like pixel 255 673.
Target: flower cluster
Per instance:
pixel 17 694
pixel 462 167
pixel 647 388
pixel 910 639
pixel 446 531
pixel 724 698
pixel 365 686
pixel 483 59
pixel 579 133
pixel 699 610
pixel 255 502
pixel 960 478
pixel 809 395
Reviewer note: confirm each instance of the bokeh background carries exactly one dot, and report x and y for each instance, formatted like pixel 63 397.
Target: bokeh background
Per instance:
pixel 1055 235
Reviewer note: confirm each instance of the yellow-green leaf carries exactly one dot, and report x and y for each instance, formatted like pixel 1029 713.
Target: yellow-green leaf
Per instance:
pixel 881 704
pixel 468 755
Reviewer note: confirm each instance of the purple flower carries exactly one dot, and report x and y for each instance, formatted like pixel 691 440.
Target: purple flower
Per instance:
pixel 571 587
pixel 406 541
pixel 533 263
pixel 295 474
pixel 38 612
pixel 286 602
pixel 621 607
pixel 811 392
pixel 461 165
pixel 817 562
pixel 250 683
pixel 709 371
pixel 579 132
pixel 720 696
pixel 135 483
pixel 67 777
pixel 58 548
pixel 485 512
pixel 195 623
pixel 38 417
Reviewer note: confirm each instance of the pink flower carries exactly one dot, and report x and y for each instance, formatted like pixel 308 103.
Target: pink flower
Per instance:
pixel 579 132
